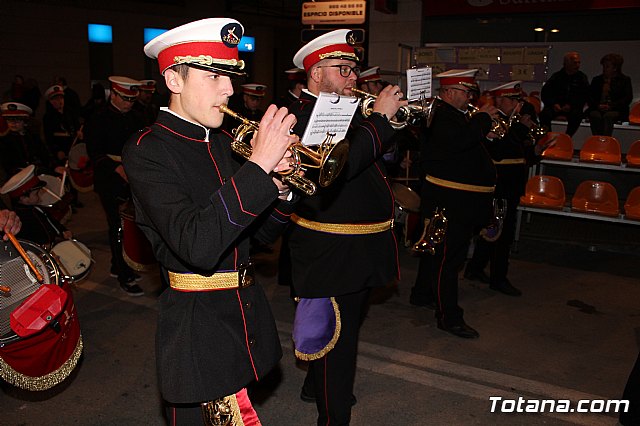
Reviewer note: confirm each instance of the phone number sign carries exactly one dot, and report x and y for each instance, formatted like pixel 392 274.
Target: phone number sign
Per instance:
pixel 334 12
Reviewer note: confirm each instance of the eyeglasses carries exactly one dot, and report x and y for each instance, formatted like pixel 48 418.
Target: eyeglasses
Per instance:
pixel 345 70
pixel 466 92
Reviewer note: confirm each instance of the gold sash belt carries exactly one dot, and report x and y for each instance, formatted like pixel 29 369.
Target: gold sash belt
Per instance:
pixel 218 281
pixel 117 158
pixel 458 185
pixel 509 161
pixel 343 228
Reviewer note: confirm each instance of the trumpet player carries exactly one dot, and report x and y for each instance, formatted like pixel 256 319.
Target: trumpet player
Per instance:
pixel 512 155
pixel 459 178
pixel 198 205
pixel 342 244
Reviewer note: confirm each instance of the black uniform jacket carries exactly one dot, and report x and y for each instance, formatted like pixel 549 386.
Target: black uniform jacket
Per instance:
pixel 515 145
pixel 105 134
pixel 562 88
pixel 198 206
pixel 329 264
pixel 19 150
pixel 450 149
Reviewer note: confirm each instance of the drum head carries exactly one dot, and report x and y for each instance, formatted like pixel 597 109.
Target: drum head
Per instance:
pixel 50 194
pixel 406 198
pixel 16 275
pixel 74 257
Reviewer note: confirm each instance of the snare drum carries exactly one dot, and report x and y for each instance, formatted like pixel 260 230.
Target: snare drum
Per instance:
pixel 136 248
pixel 80 168
pixel 40 340
pixel 74 258
pixel 57 202
pixel 407 210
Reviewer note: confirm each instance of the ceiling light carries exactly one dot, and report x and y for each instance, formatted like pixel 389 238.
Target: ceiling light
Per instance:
pixel 538 29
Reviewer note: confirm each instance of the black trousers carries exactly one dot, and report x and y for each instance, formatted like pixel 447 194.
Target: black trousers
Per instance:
pixel 332 376
pixel 497 252
pixel 437 278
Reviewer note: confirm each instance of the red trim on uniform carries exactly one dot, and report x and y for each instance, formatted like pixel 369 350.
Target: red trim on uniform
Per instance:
pixel 376 136
pixel 393 212
pixel 179 134
pixel 444 257
pixel 314 57
pixel 247 412
pixel 215 49
pixel 283 214
pixel 452 81
pixel 17 113
pixel 246 335
pixel 240 200
pixel 143 135
pixel 173 420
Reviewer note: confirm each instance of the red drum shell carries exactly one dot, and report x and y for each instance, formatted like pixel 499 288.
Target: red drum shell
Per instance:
pixel 136 248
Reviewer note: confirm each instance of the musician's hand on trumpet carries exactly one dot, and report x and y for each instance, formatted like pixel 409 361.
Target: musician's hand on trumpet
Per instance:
pixel 389 100
pixel 270 144
pixel 9 222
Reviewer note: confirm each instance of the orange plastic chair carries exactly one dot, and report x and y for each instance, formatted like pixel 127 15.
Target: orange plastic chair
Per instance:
pixel 544 191
pixel 634 114
pixel 562 148
pixel 535 93
pixel 633 155
pixel 632 205
pixel 596 197
pixel 601 149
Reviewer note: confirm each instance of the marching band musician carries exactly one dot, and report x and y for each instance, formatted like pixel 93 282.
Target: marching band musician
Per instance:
pixel 460 178
pixel 198 205
pixel 342 243
pixel 9 221
pixel 512 155
pixel 105 135
pixel 297 81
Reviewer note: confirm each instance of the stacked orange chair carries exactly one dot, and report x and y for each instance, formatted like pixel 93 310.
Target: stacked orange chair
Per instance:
pixel 562 148
pixel 545 192
pixel 634 114
pixel 596 197
pixel 601 149
pixel 633 156
pixel 632 205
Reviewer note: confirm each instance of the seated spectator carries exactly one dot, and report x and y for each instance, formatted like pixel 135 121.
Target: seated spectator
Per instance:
pixel 610 94
pixel 565 94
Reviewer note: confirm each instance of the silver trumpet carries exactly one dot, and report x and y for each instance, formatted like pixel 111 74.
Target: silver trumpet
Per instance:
pixel 435 229
pixel 329 157
pixel 405 114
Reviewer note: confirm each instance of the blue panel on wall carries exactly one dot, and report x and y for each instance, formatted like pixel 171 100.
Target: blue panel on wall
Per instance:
pixel 99 33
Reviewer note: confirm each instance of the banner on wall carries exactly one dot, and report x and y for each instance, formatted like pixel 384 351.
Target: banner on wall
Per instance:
pixel 485 7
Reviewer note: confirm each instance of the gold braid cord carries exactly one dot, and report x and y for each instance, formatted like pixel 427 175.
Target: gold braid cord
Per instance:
pixel 44 382
pixel 137 266
pixel 207 60
pixel 332 342
pixel 222 412
pixel 338 54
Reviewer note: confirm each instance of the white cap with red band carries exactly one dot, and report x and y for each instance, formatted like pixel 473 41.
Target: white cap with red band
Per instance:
pixel 254 89
pixel 297 74
pixel 54 91
pixel 15 109
pixel 211 44
pixel 148 85
pixel 513 89
pixel 124 86
pixel 458 76
pixel 337 44
pixel 22 182
pixel 372 74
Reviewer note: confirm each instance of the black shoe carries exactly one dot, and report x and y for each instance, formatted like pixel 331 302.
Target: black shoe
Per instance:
pixel 136 277
pixel 307 396
pixel 460 330
pixel 415 301
pixel 506 288
pixel 476 276
pixel 131 288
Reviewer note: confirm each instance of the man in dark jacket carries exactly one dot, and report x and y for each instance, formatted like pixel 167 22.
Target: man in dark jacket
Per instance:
pixel 565 94
pixel 342 243
pixel 198 205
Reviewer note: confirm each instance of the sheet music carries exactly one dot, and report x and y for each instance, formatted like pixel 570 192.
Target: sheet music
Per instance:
pixel 332 113
pixel 418 83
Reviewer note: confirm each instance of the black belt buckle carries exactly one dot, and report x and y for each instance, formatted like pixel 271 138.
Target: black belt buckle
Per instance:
pixel 246 275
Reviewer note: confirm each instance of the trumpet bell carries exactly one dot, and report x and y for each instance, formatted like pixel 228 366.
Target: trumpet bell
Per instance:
pixel 333 163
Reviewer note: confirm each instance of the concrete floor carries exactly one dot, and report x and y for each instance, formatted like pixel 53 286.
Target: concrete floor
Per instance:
pixel 574 334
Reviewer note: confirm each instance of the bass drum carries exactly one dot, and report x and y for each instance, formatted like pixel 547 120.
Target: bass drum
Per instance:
pixel 136 248
pixel 40 339
pixel 407 211
pixel 80 168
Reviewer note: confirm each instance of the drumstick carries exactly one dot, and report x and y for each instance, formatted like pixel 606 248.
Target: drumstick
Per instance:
pixel 25 256
pixel 51 193
pixel 5 289
pixel 64 177
pixel 82 250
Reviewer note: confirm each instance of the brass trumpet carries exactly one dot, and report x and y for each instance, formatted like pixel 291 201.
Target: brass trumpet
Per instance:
pixel 536 132
pixel 405 114
pixel 498 125
pixel 329 158
pixel 433 234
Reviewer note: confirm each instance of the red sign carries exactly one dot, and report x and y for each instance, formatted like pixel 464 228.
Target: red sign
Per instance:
pixel 486 7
